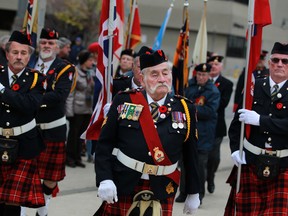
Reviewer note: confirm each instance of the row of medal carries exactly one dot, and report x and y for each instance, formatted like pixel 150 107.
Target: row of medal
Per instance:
pixel 178 120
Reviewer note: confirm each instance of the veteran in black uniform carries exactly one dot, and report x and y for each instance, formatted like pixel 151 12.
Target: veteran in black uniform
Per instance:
pixel 139 148
pixel 21 91
pixel 51 116
pixel 264 173
pixel 260 72
pixel 225 87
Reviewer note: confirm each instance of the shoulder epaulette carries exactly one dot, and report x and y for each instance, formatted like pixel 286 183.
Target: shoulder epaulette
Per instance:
pixel 182 97
pixel 128 91
pixel 36 75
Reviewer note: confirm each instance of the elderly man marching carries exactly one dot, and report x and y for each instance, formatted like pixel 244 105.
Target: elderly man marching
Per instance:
pixel 264 175
pixel 140 144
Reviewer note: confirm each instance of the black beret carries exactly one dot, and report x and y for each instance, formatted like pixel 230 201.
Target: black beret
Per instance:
pixel 144 50
pixel 49 34
pixel 19 37
pixel 152 59
pixel 280 48
pixel 129 52
pixel 83 56
pixel 204 67
pixel 263 54
pixel 216 58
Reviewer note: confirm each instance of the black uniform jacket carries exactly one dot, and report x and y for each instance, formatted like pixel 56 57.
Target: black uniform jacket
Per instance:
pixel 127 135
pixel 19 105
pixel 225 87
pixel 121 84
pixel 273 127
pixel 53 104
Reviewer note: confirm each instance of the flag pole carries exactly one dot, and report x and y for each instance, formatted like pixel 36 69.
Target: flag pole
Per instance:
pixel 108 73
pixel 250 26
pixel 131 18
pixel 202 29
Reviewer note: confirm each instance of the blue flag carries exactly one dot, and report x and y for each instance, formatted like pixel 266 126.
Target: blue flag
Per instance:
pixel 158 41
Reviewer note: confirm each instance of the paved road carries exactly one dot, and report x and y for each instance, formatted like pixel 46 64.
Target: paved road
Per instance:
pixel 78 192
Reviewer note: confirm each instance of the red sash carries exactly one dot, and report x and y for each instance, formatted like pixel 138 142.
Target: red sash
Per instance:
pixel 151 135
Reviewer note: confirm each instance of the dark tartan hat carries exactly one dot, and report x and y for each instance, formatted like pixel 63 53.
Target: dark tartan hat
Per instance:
pixel 129 52
pixel 280 48
pixel 144 50
pixel 152 59
pixel 19 37
pixel 49 34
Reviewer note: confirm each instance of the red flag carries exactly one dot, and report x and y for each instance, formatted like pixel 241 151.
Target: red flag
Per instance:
pixel 93 130
pixel 262 17
pixel 30 23
pixel 133 37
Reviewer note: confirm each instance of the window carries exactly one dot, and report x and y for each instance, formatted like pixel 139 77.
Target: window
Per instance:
pixel 236 47
pixel 8 16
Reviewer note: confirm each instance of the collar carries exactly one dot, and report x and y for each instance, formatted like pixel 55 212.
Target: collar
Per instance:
pixel 272 83
pixel 10 73
pixel 160 102
pixel 47 64
pixel 133 84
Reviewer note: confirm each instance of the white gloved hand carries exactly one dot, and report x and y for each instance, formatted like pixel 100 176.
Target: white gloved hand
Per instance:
pixel 236 158
pixel 191 204
pixel 249 117
pixel 107 191
pixel 106 109
pixel 1 87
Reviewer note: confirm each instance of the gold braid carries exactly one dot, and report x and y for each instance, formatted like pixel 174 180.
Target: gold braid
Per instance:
pixel 34 80
pixel 187 117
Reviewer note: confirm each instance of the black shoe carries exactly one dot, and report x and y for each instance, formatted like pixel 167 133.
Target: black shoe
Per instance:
pixel 211 187
pixel 71 164
pixel 181 198
pixel 80 164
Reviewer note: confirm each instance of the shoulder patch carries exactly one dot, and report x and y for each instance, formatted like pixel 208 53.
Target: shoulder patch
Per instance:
pixel 128 91
pixel 179 97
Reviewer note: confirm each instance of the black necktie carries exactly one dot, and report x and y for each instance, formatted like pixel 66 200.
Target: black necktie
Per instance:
pixel 154 110
pixel 275 90
pixel 14 77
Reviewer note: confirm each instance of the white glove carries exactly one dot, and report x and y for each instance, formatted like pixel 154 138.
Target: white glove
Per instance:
pixel 106 109
pixel 249 117
pixel 1 87
pixel 236 158
pixel 107 191
pixel 191 204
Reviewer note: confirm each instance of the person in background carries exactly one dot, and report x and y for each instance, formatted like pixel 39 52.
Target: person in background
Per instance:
pixel 79 109
pixel 51 115
pixel 75 49
pixel 131 82
pixel 225 87
pixel 206 97
pixel 3 40
pixel 21 92
pixel 125 64
pixel 260 72
pixel 264 160
pixel 64 48
pixel 131 119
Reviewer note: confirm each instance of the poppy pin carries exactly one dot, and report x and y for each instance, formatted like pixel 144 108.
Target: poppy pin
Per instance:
pixel 51 34
pixel 163 109
pixel 217 84
pixel 15 87
pixel 279 106
pixel 51 71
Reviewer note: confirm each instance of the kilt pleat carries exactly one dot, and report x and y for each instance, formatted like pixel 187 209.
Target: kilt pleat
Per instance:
pixel 20 184
pixel 258 197
pixel 51 161
pixel 124 202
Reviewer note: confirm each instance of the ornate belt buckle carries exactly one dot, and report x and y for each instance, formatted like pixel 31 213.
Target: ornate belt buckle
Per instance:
pixel 271 153
pixel 7 132
pixel 150 169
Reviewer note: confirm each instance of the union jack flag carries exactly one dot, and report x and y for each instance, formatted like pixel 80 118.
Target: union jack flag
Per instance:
pixel 93 130
pixel 30 23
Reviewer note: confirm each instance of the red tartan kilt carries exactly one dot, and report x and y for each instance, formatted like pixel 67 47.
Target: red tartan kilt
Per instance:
pixel 51 161
pixel 258 197
pixel 20 184
pixel 124 202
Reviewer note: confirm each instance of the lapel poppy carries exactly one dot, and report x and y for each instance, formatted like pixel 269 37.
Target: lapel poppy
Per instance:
pixel 217 84
pixel 163 109
pixel 279 106
pixel 15 87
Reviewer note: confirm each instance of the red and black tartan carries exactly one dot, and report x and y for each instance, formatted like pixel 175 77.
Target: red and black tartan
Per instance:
pixel 256 196
pixel 124 203
pixel 20 184
pixel 51 161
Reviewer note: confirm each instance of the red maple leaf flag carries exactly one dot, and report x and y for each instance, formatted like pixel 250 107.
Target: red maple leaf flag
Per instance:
pixel 262 17
pixel 93 130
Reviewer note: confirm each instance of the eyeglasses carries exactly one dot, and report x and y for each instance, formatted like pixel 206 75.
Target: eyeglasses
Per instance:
pixel 276 61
